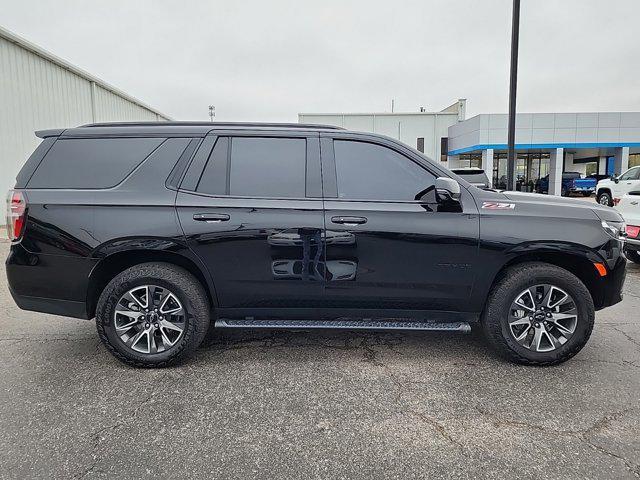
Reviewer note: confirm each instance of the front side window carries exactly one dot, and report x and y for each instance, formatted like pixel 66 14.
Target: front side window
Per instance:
pixel 367 171
pixel 630 174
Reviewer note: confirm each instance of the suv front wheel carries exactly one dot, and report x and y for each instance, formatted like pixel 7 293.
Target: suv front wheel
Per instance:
pixel 152 315
pixel 538 314
pixel 604 198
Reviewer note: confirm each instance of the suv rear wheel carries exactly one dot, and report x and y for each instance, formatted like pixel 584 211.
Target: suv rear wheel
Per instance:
pixel 152 315
pixel 538 314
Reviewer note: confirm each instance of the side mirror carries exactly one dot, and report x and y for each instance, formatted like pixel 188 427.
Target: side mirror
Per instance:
pixel 615 179
pixel 447 189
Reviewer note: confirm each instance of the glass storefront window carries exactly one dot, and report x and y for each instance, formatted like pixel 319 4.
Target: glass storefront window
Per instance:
pixel 530 167
pixel 473 160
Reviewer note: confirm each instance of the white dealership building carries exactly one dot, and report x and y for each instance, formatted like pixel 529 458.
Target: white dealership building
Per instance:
pixel 600 143
pixel 39 90
pixel 425 131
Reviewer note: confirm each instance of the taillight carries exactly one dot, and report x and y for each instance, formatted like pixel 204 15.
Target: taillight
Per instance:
pixel 16 209
pixel 633 231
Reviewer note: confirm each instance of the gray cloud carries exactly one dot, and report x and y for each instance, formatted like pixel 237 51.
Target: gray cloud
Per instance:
pixel 269 60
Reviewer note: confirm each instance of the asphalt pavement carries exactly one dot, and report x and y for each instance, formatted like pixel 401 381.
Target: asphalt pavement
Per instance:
pixel 317 405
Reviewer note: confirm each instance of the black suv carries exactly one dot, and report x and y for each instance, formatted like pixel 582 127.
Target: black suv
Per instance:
pixel 165 231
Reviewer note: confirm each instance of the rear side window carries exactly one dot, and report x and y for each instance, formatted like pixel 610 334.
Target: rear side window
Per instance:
pixel 214 177
pixel 258 167
pixel 91 162
pixel 366 171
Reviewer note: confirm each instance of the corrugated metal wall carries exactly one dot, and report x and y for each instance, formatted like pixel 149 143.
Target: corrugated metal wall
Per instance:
pixel 37 93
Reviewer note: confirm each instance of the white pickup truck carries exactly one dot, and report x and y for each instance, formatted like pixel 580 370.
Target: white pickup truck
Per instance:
pixel 610 190
pixel 629 208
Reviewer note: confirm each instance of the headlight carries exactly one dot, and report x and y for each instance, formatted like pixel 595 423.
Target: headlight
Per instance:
pixel 614 229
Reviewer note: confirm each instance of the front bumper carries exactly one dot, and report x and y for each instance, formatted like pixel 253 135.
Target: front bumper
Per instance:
pixel 610 288
pixel 632 244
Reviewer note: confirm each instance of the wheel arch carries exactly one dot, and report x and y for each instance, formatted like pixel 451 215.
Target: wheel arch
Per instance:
pixel 580 264
pixel 604 190
pixel 113 264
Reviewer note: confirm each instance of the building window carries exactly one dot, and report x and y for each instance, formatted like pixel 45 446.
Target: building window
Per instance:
pixel 470 160
pixel 420 144
pixel 444 149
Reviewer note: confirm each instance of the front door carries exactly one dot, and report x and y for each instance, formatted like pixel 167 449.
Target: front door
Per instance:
pixel 627 182
pixel 392 246
pixel 250 206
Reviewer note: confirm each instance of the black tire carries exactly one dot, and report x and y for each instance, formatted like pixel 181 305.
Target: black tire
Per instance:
pixel 604 198
pixel 564 192
pixel 515 280
pixel 177 280
pixel 633 255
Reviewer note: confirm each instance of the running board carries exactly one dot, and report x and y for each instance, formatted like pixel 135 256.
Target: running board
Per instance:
pixel 462 327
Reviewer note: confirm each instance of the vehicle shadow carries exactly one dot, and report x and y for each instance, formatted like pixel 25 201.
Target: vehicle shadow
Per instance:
pixel 446 346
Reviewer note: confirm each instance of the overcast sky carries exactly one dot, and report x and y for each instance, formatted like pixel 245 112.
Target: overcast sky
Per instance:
pixel 269 60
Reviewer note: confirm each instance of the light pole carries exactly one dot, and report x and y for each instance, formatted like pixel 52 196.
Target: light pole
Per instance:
pixel 212 112
pixel 513 82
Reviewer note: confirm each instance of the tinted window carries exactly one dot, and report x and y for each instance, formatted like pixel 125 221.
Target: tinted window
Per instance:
pixel 268 167
pixel 630 174
pixel 367 171
pixel 570 175
pixel 214 176
pixel 91 163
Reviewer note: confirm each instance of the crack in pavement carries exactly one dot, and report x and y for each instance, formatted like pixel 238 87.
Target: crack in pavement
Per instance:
pixel 97 437
pixel 628 337
pixel 581 435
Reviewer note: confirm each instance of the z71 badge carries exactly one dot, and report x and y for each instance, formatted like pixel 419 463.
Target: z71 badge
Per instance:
pixel 498 206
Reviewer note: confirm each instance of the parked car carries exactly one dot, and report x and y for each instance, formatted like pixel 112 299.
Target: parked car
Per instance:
pixel 475 176
pixel 629 208
pixel 572 182
pixel 611 190
pixel 166 232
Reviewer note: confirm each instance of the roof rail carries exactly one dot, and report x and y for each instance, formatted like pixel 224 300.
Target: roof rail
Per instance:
pixel 212 124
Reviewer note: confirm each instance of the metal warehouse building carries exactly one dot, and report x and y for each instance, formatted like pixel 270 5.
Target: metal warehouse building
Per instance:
pixel 39 90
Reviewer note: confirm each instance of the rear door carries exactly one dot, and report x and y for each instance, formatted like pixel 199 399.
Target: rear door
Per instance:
pixel 250 206
pixel 391 245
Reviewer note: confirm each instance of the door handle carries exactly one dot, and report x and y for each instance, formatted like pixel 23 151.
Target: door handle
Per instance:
pixel 211 217
pixel 349 221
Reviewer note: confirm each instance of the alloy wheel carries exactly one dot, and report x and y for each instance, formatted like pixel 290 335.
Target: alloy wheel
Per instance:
pixel 149 319
pixel 543 318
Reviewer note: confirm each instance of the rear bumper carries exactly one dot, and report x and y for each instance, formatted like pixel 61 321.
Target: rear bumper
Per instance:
pixel 55 284
pixel 582 189
pixel 66 308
